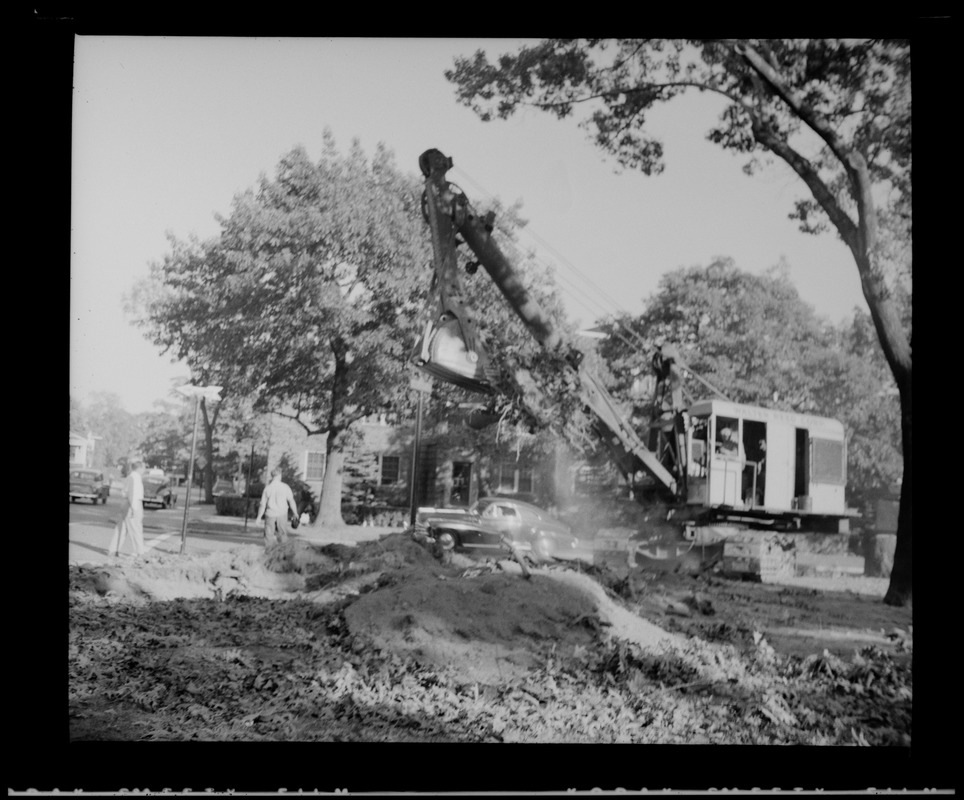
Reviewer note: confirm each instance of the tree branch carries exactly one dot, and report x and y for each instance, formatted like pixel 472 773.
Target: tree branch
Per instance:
pixel 853 162
pixel 549 105
pixel 802 166
pixel 296 418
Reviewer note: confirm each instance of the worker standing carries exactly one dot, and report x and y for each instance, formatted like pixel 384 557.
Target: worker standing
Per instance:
pixel 131 523
pixel 276 499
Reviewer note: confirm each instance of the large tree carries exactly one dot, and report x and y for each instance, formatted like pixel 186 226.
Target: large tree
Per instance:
pixel 174 307
pixel 306 303
pixel 837 112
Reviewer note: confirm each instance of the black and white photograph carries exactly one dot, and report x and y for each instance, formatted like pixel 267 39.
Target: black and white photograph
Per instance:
pixel 464 391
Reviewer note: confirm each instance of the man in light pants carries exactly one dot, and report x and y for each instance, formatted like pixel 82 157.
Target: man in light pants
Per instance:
pixel 132 520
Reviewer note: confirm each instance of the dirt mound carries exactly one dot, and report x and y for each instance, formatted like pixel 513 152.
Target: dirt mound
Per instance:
pixel 383 641
pixel 243 570
pixel 487 629
pixel 484 620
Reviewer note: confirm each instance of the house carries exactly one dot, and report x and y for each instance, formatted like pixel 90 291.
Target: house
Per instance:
pixel 81 449
pixel 451 470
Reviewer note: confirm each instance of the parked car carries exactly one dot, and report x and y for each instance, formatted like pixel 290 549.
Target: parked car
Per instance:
pixel 532 530
pixel 222 486
pixel 159 492
pixel 88 484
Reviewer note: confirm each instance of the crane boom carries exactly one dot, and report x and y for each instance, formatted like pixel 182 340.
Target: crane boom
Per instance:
pixel 449 215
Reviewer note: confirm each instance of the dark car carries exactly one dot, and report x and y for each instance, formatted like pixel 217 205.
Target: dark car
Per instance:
pixel 532 530
pixel 159 492
pixel 88 484
pixel 223 487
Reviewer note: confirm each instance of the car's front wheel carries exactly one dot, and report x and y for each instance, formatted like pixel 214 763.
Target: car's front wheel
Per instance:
pixel 446 540
pixel 543 547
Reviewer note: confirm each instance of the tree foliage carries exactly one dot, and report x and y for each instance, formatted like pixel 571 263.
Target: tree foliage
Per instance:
pixel 756 341
pixel 836 112
pixel 166 440
pixel 306 303
pixel 117 430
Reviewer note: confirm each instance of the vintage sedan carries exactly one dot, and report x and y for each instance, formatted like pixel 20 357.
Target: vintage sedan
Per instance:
pixel 158 492
pixel 88 484
pixel 491 521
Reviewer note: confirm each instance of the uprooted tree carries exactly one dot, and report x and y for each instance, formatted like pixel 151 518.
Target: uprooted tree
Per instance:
pixel 837 112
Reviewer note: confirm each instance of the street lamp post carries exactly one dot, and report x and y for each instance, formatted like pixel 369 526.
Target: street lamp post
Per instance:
pixel 197 392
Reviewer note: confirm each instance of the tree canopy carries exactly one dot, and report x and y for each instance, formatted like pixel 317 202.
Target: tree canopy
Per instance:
pixel 837 112
pixel 306 303
pixel 756 341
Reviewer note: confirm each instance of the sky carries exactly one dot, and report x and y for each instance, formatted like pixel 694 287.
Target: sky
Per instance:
pixel 167 130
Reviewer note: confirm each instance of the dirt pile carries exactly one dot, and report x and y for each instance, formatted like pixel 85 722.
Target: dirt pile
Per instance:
pixel 485 621
pixel 383 641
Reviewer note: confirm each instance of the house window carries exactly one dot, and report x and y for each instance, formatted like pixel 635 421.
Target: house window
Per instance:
pixel 315 468
pixel 524 480
pixel 512 480
pixel 389 470
pixel 504 480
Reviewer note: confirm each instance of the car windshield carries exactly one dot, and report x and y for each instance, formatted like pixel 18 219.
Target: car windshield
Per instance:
pixel 82 475
pixel 480 505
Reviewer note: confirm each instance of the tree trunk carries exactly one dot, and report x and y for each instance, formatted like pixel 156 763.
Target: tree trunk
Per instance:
pixel 899 592
pixel 329 506
pixel 861 239
pixel 897 350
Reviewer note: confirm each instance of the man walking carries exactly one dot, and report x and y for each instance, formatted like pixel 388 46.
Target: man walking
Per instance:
pixel 276 499
pixel 131 523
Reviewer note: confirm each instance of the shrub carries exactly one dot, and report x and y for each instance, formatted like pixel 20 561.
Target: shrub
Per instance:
pixel 233 505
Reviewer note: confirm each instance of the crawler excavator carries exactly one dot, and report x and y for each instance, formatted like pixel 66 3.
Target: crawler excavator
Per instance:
pixel 735 483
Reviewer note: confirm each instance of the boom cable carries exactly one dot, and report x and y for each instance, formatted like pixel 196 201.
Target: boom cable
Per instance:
pixel 576 294
pixel 617 326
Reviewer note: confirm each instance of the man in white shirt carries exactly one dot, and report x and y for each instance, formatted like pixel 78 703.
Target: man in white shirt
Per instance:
pixel 132 520
pixel 276 499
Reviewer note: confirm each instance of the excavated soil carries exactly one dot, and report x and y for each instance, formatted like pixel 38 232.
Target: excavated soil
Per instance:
pixel 362 619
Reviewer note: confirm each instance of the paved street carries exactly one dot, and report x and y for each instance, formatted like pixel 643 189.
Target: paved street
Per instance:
pixel 90 528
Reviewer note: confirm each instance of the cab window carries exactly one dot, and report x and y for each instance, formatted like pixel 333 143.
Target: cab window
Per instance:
pixel 728 437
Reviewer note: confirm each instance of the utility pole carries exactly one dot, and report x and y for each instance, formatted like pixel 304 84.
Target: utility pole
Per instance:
pixel 197 392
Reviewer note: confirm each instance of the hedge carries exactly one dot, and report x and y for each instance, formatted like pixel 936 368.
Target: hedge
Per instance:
pixel 232 505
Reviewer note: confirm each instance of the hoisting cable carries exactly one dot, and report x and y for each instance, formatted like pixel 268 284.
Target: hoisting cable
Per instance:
pixel 616 325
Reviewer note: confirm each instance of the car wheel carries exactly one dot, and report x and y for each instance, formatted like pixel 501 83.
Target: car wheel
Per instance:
pixel 446 540
pixel 543 548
